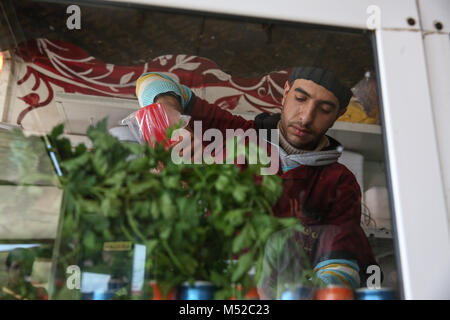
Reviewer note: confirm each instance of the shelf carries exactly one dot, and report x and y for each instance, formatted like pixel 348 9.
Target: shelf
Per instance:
pixel 378 232
pixel 366 139
pixel 357 127
pixel 79 111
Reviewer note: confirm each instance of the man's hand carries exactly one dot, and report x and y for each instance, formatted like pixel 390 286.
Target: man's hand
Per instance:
pixel 173 109
pixel 170 103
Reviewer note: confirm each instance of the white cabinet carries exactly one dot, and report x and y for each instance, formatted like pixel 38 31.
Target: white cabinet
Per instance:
pixel 79 111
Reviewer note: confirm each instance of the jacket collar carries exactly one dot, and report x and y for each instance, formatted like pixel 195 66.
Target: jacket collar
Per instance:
pixel 326 156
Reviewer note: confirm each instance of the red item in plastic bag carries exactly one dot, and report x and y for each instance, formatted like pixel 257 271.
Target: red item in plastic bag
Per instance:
pixel 334 293
pixel 153 122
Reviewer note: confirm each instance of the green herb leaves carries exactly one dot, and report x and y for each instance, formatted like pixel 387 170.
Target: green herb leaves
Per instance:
pixel 198 222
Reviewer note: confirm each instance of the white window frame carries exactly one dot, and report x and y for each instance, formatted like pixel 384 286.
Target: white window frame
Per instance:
pixel 416 177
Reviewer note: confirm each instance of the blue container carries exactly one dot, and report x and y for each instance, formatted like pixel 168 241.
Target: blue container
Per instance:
pixel 108 294
pixel 298 293
pixel 375 294
pixel 102 295
pixel 199 290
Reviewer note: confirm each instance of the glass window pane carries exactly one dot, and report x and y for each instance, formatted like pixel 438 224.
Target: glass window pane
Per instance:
pixel 136 220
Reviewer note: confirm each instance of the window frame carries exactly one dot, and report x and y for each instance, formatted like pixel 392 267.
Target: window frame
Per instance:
pixel 415 174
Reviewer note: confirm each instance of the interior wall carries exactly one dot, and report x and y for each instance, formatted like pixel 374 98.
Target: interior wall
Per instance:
pixel 41 120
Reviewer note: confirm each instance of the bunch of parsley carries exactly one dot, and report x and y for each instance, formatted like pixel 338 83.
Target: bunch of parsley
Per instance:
pixel 197 221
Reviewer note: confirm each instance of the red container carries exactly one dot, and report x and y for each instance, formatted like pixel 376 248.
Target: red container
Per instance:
pixel 334 293
pixel 157 294
pixel 252 294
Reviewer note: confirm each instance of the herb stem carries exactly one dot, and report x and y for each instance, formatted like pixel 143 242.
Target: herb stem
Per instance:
pixel 125 231
pixel 172 256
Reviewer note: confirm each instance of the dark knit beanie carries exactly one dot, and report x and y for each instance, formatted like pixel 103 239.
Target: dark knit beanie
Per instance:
pixel 325 79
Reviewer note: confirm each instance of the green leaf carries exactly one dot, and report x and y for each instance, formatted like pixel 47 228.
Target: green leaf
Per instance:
pixel 188 262
pixel 100 163
pixel 116 179
pixel 142 209
pixel 165 232
pixel 244 264
pixel 80 149
pixel 89 240
pixel 134 148
pixel 290 222
pixel 262 221
pixel 240 193
pixel 57 131
pixel 69 224
pixel 219 279
pixel 151 245
pixel 98 132
pixel 61 147
pixel 90 206
pixel 235 217
pixel 154 209
pixel 138 164
pixel 168 208
pixel 218 206
pixel 241 241
pixel 96 222
pixel 142 187
pixel 272 188
pixel 75 163
pixel 223 294
pixel 222 183
pixel 171 182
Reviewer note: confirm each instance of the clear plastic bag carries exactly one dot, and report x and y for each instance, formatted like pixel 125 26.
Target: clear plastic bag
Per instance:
pixel 149 124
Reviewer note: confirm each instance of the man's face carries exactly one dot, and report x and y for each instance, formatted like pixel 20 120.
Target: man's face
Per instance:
pixel 309 110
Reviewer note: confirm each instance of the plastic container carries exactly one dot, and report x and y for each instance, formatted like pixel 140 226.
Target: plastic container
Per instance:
pixel 375 294
pixel 334 293
pixel 298 293
pixel 199 290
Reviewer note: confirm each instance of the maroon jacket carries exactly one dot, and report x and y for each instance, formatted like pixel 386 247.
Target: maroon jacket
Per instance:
pixel 317 195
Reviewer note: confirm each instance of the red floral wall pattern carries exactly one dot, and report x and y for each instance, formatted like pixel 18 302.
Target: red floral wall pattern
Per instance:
pixel 53 62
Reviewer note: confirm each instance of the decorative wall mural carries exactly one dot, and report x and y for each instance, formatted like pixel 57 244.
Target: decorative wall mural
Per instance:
pixel 56 63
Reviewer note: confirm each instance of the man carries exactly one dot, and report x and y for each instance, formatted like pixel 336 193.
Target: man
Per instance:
pixel 317 189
